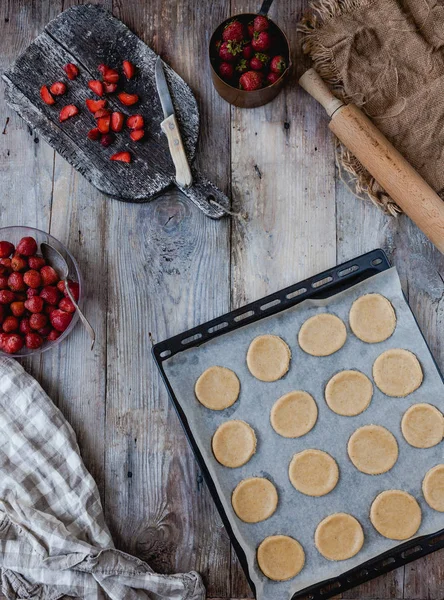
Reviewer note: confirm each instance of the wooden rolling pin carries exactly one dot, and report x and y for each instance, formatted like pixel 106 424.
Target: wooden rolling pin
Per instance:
pixel 373 150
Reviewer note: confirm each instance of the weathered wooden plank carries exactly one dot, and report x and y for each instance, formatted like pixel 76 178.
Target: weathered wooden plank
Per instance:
pixel 172 272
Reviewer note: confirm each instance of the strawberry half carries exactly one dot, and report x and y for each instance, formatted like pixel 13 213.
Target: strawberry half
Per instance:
pixel 46 96
pixel 68 111
pixel 102 112
pixel 71 70
pixel 122 157
pixel 135 122
pixel 58 88
pixel 103 123
pixel 109 88
pixel 95 105
pixel 102 68
pixel 128 99
pixel 129 69
pixel 96 86
pixel 94 134
pixel 111 76
pixel 117 120
pixel 137 135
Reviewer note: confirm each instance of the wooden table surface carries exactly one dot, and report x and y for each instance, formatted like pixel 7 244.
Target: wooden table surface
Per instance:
pixel 155 269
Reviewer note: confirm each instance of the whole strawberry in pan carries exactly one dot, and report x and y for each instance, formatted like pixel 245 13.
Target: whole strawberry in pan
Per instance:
pixel 259 61
pixel 260 23
pixel 242 66
pixel 261 41
pixel 228 51
pixel 278 64
pixel 251 80
pixel 226 70
pixel 233 32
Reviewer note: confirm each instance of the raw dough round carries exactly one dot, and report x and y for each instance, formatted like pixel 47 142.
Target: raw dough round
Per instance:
pixel 373 449
pixel 422 426
pixel 217 388
pixel 433 488
pixel 322 335
pixel 280 557
pixel 348 393
pixel 234 443
pixel 339 536
pixel 254 499
pixel 395 514
pixel 294 414
pixel 268 357
pixel 397 372
pixel 372 318
pixel 313 472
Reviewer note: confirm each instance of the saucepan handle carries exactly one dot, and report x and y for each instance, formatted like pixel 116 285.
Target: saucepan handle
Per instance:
pixel 265 7
pixel 207 197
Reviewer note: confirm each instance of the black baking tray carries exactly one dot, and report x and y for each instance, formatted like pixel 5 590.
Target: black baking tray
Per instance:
pixel 323 285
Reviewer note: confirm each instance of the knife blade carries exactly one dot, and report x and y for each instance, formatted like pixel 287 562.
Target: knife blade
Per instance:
pixel 171 129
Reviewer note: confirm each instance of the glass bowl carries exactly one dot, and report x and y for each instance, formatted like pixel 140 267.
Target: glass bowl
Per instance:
pixel 14 235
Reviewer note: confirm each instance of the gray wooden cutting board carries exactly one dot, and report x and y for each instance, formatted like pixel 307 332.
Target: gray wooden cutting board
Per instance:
pixel 87 36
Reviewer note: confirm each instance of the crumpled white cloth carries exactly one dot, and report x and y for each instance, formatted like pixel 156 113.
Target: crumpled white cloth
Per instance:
pixel 54 541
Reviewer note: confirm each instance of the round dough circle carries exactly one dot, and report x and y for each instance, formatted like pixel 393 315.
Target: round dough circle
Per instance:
pixel 339 536
pixel 254 499
pixel 294 414
pixel 372 318
pixel 313 472
pixel 348 393
pixel 217 388
pixel 397 372
pixel 280 557
pixel 268 357
pixel 422 426
pixel 373 449
pixel 234 443
pixel 322 335
pixel 433 488
pixel 395 514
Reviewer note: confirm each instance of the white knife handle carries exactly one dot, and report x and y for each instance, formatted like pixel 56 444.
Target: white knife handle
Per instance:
pixel 177 150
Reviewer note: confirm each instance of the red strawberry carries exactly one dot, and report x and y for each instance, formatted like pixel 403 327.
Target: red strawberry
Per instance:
pixel 109 87
pixel 3 282
pixel 107 139
pixel 128 99
pixel 44 331
pixel 16 283
pixel 103 123
pixel 46 96
pixel 50 294
pixel 261 41
pixel 250 29
pixel 117 120
pixel 95 105
pixel 110 76
pixel 226 70
pixel 25 327
pixel 6 296
pixel 60 319
pixel 122 157
pixel 58 88
pixel 18 263
pixel 242 66
pixel 27 246
pixel 67 112
pixel 128 69
pixel 10 324
pixel 6 249
pixel 247 51
pixel 17 308
pixel 49 276
pixel 12 344
pixel 258 62
pixel 34 304
pixel 96 86
pixel 30 292
pixel 233 32
pixel 36 262
pixel 94 134
pixel 102 68
pixel 261 23
pixel 71 70
pixel 32 278
pixel 272 78
pixel 102 112
pixel 250 81
pixel 137 135
pixel 67 305
pixel 278 64
pixel 33 340
pixel 48 308
pixel 53 335
pixel 38 320
pixel 73 287
pixel 229 50
pixel 135 122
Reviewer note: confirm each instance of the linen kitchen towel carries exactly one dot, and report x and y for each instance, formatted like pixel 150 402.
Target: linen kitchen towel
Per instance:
pixel 386 56
pixel 54 542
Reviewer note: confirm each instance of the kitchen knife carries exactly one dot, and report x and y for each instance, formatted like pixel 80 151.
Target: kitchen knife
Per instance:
pixel 171 129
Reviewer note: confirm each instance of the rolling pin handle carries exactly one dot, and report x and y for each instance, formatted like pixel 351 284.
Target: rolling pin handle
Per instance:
pixel 316 87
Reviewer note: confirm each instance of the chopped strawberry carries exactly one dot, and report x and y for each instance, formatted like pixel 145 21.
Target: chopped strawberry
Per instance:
pixel 107 139
pixel 137 135
pixel 94 134
pixel 58 88
pixel 117 120
pixel 109 88
pixel 135 122
pixel 67 112
pixel 122 157
pixel 103 123
pixel 111 76
pixel 96 86
pixel 71 70
pixel 102 112
pixel 128 99
pixel 46 96
pixel 102 68
pixel 129 69
pixel 95 105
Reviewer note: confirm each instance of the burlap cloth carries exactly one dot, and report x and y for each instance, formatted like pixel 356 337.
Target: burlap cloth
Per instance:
pixel 386 56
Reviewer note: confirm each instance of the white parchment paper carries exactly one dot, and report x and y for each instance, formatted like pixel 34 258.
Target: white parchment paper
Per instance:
pixel 298 515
